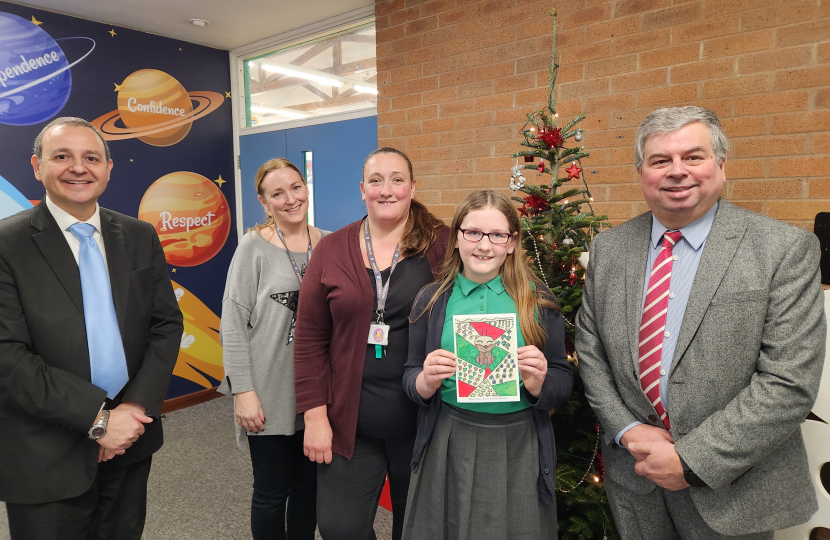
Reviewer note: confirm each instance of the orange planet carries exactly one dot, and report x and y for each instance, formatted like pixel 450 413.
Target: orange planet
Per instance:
pixel 155 108
pixel 190 215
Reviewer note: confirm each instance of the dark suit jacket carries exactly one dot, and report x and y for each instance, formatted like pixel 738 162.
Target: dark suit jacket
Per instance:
pixel 47 402
pixel 744 375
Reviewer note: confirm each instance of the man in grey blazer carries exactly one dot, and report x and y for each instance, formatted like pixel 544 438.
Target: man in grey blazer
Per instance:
pixel 701 352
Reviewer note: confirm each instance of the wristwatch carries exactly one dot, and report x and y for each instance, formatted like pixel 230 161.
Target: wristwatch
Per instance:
pixel 100 428
pixel 691 478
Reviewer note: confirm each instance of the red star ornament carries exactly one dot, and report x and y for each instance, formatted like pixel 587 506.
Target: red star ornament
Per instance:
pixel 573 171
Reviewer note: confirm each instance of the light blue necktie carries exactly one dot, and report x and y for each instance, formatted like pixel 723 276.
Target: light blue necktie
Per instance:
pixel 107 362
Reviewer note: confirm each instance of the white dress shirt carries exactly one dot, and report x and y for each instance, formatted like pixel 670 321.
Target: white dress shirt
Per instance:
pixel 66 220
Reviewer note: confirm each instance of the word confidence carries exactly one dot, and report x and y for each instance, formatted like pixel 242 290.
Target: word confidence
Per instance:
pixel 134 106
pixel 170 222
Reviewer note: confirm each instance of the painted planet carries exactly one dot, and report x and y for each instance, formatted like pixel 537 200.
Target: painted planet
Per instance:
pixel 35 80
pixel 11 200
pixel 156 109
pixel 190 215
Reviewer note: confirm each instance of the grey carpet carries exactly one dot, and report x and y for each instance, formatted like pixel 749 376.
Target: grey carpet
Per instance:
pixel 200 483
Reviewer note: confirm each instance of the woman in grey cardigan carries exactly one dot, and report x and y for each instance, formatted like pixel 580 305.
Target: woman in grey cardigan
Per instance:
pixel 259 311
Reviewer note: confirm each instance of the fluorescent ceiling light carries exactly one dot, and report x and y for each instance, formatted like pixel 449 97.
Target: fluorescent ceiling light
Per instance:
pixel 283 112
pixel 293 72
pixel 365 89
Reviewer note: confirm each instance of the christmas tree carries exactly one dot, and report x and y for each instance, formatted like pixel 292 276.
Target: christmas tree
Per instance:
pixel 558 224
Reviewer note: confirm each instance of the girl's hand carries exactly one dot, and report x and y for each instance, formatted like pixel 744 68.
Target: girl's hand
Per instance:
pixel 248 412
pixel 318 435
pixel 533 367
pixel 438 365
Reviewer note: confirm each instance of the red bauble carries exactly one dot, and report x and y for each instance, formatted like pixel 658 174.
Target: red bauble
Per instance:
pixel 552 137
pixel 572 278
pixel 541 166
pixel 573 171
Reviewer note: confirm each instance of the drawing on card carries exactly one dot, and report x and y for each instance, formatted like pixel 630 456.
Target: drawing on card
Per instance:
pixel 488 370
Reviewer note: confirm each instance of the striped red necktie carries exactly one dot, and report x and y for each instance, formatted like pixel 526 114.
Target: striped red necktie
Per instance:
pixel 653 323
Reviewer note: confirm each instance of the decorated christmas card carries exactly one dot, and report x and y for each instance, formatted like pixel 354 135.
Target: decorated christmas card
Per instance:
pixel 488 367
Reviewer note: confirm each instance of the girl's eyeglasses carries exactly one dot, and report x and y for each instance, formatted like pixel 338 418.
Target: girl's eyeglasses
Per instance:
pixel 472 235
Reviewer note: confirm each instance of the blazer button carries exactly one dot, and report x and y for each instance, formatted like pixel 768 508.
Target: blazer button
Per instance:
pixel 547 471
pixel 652 418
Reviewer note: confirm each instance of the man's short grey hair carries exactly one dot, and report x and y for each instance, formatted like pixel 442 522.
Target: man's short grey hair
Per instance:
pixel 67 121
pixel 668 120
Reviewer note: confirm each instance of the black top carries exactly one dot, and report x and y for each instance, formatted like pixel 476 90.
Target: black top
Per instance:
pixel 384 407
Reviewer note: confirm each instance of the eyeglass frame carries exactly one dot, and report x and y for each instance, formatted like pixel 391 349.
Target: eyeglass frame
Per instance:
pixel 483 234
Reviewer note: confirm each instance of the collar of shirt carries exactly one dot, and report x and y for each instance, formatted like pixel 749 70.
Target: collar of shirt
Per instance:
pixel 65 220
pixel 694 233
pixel 467 286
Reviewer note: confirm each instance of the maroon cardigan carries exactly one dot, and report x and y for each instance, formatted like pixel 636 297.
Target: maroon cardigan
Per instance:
pixel 333 318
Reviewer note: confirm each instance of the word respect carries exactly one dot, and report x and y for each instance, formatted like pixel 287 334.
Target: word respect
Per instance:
pixel 169 222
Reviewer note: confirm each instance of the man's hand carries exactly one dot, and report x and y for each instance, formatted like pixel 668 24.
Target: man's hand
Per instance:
pixel 123 429
pixel 644 433
pixel 132 406
pixel 248 412
pixel 661 464
pixel 318 435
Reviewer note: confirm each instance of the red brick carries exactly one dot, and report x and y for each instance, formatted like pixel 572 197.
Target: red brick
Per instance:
pixel 422 113
pixel 736 86
pixel 406 73
pixel 610 103
pixel 456 107
pixel 628 118
pixel 671 16
pixel 420 141
pixel 495 37
pixel 441 124
pixel 495 71
pixel 442 35
pixel 494 133
pixel 753 206
pixel 680 93
pixel 479 149
pixel 474 120
pixel 640 79
pixel 820 188
pixel 390 34
pixel 744 168
pixel 453 138
pixel 614 210
pixel 585 17
pixel 771 103
pixel 438 6
pixel 810 32
pixel 801 209
pixel 705 29
pixel 406 102
pixel 463 13
pixel 612 29
pixel 823 98
pixel 722 107
pixel 767 189
pixel 821 143
pixel 699 71
pixel 823 53
pixel 744 127
pixel 422 84
pixel 610 66
pixel 606 139
pixel 803 78
pixel 476 89
pixel 800 166
pixel 738 44
pixel 402 130
pixel 392 90
pixel 801 122
pixel 498 101
pixel 718 8
pixel 421 26
pixel 405 15
pixel 421 54
pixel 770 146
pixel 584 53
pixel 670 56
pixel 441 65
pixel 517 82
pixel 642 42
pixel 585 88
pixel 625 192
pixel 776 59
pixel 782 15
pixel 529 97
pixel 385 7
pixel 455 47
pixel 630 7
pixel 442 95
pixel 457 77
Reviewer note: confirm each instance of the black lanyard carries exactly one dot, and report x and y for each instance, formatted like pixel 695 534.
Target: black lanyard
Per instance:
pixel 293 262
pixel 382 291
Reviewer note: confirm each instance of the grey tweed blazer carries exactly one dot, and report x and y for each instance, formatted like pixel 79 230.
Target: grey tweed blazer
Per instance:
pixel 744 375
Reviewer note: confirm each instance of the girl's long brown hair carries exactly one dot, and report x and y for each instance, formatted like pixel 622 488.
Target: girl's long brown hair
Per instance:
pixel 516 275
pixel 267 167
pixel 421 228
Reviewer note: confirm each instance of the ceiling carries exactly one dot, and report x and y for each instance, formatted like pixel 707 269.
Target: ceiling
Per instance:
pixel 232 24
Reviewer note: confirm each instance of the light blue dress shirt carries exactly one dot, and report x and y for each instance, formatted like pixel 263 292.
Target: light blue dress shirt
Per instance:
pixel 687 254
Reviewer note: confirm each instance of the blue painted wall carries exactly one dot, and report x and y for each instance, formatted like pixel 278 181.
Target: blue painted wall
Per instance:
pixel 339 150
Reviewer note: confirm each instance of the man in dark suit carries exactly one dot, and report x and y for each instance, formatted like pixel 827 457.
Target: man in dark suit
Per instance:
pixel 89 333
pixel 701 342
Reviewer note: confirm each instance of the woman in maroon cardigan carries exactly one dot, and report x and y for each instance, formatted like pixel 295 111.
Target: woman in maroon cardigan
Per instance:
pixel 351 345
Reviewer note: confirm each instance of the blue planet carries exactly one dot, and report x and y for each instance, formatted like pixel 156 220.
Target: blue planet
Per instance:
pixel 11 200
pixel 35 80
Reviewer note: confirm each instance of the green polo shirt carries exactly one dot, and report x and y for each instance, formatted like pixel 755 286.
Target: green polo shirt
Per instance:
pixel 471 298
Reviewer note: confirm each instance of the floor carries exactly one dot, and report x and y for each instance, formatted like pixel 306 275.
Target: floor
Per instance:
pixel 200 483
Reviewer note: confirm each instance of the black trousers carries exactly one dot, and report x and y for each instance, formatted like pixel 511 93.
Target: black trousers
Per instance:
pixel 348 490
pixel 282 473
pixel 114 508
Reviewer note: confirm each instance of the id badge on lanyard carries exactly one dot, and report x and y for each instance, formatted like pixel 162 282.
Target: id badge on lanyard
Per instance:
pixel 378 331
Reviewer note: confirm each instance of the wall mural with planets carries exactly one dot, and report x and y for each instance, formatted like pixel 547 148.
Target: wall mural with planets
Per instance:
pixel 145 93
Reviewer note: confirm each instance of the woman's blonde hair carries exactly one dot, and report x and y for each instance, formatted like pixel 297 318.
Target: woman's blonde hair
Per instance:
pixel 421 229
pixel 267 167
pixel 526 290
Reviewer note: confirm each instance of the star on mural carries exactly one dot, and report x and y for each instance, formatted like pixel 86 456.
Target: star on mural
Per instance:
pixel 173 270
pixel 219 181
pixel 37 22
pixel 112 32
pixel 289 300
pixel 227 94
pixel 117 87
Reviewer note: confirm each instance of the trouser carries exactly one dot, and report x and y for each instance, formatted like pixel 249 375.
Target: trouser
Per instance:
pixel 114 508
pixel 282 473
pixel 348 490
pixel 662 515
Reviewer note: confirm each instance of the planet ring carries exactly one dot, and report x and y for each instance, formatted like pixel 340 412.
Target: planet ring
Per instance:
pixel 54 73
pixel 207 103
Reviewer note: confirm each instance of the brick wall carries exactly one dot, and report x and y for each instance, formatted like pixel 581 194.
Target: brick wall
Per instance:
pixel 456 78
